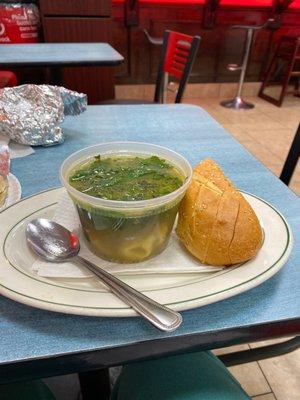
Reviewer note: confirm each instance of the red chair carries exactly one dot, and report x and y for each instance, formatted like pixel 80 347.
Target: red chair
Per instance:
pixel 7 79
pixel 178 55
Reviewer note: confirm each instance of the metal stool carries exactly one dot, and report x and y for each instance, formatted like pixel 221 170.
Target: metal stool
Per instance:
pixel 237 102
pixel 153 40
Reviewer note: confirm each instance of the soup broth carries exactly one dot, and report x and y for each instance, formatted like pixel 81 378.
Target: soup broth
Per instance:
pixel 123 237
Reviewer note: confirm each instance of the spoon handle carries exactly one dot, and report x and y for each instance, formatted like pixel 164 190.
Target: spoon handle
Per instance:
pixel 160 316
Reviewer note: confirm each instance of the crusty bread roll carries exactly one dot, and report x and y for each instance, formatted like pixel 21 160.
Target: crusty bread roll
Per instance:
pixel 215 223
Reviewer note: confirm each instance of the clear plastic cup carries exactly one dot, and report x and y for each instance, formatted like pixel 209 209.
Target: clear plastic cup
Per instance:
pixel 126 231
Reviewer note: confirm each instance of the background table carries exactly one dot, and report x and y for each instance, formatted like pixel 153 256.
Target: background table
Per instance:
pixel 39 343
pixel 63 60
pixel 59 55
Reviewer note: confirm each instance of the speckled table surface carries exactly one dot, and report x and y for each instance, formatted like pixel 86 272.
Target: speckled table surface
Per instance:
pixel 59 54
pixel 40 343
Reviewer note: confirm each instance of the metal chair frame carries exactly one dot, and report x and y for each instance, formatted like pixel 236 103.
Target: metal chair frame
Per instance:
pixel 260 353
pixel 291 160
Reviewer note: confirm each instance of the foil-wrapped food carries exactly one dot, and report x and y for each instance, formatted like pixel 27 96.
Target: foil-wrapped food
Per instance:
pixel 32 114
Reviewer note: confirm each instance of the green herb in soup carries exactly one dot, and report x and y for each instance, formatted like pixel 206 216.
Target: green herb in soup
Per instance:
pixel 126 178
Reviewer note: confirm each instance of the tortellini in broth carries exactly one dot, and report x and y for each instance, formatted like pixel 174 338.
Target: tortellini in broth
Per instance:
pixel 127 240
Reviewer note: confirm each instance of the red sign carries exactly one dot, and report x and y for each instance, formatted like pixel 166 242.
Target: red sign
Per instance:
pixel 19 23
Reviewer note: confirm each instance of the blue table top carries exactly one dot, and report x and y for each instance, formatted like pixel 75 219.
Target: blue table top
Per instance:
pixel 59 54
pixel 28 333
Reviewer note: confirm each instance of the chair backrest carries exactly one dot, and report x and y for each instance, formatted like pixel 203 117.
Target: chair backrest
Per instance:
pixel 177 59
pixel 292 159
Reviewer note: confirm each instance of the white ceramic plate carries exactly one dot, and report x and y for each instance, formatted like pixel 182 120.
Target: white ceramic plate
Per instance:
pixel 14 192
pixel 87 297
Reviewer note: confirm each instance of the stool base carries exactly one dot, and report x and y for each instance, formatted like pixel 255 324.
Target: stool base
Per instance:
pixel 237 103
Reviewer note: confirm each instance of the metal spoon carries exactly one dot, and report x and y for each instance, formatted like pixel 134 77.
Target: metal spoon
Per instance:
pixel 55 243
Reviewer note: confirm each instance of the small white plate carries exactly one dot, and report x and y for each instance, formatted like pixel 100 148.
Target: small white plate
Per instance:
pixel 87 297
pixel 14 192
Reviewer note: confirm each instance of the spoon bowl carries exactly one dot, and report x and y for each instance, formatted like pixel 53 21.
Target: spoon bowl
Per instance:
pixel 51 241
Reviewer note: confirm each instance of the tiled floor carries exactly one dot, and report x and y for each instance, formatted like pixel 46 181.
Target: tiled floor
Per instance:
pixel 276 378
pixel 266 131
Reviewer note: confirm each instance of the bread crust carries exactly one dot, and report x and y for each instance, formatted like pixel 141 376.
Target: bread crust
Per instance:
pixel 216 223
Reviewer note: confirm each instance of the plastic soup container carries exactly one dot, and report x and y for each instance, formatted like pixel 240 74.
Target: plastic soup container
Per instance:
pixel 126 231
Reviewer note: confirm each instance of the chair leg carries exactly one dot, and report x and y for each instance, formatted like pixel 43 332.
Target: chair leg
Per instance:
pixel 95 385
pixel 268 73
pixel 288 76
pixel 292 159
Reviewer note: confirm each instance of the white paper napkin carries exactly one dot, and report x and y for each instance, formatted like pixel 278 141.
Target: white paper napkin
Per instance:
pixel 174 259
pixel 16 150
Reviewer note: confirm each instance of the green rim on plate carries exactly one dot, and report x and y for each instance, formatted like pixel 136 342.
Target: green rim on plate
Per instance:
pixel 237 288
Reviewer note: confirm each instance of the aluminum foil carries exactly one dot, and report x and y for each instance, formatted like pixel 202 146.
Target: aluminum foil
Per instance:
pixel 32 114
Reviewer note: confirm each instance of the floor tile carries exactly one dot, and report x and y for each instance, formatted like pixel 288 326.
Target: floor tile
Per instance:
pixel 262 153
pixel 235 116
pixel 204 103
pixel 251 378
pixel 251 88
pixel 149 92
pixel 230 349
pixel 202 90
pixel 275 168
pixel 295 186
pixel 238 131
pixel 249 375
pixel 286 117
pixel 227 90
pixel 277 141
pixel 282 373
pixel 130 91
pixel 218 116
pixel 268 342
pixel 263 105
pixel 269 396
pixel 259 122
pixel 266 131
